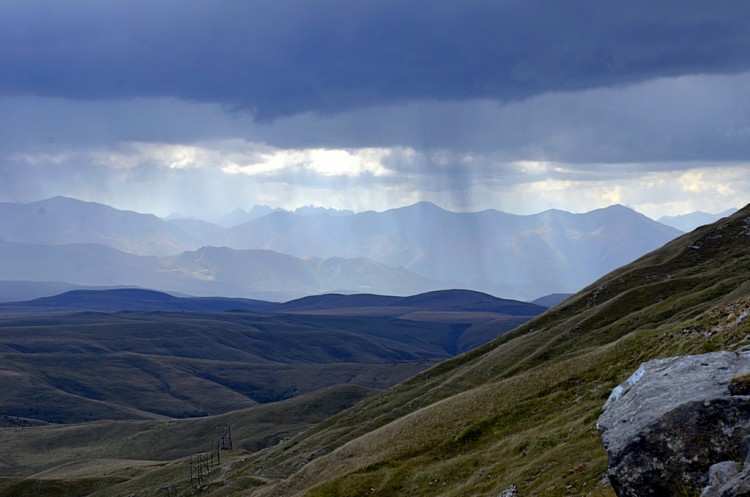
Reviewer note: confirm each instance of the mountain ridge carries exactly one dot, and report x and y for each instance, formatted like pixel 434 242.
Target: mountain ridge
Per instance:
pixel 690 221
pixel 209 271
pixel 63 220
pixel 520 257
pixel 490 251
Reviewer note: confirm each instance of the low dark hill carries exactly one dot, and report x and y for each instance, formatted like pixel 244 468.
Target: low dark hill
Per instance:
pixel 336 302
pixel 469 301
pixel 16 291
pixel 476 317
pixel 440 300
pixel 521 410
pixel 134 299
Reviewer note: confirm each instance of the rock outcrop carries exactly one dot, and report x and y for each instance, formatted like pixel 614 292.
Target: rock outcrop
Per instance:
pixel 674 420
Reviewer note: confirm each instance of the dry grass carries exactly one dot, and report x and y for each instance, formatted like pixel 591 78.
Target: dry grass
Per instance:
pixel 49 449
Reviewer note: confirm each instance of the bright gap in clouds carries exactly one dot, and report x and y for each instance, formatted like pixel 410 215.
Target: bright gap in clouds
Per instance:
pixel 327 163
pixel 213 178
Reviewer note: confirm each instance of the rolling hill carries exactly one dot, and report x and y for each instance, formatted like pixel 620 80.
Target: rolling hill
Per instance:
pixel 138 299
pixel 254 428
pixel 139 354
pixel 438 301
pixel 76 367
pixel 132 299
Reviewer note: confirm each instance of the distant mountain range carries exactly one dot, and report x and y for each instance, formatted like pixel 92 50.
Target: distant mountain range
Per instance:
pixel 282 255
pixel 688 222
pixel 61 220
pixel 491 251
pixel 209 271
pixel 241 216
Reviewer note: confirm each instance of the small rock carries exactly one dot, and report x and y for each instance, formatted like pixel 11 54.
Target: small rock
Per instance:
pixel 718 475
pixel 511 491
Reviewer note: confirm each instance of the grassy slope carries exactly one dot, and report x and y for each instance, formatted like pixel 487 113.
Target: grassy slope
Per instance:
pixel 91 366
pixel 522 409
pixel 77 450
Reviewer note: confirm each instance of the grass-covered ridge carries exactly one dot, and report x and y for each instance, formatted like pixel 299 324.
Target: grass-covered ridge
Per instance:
pixel 520 410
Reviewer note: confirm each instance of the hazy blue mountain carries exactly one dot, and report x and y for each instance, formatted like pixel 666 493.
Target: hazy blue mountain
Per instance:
pixel 499 253
pixel 240 216
pixel 14 291
pixel 62 220
pixel 203 232
pixel 453 300
pixel 514 256
pixel 209 271
pixel 134 299
pixel 688 222
pixel 552 299
pixel 310 210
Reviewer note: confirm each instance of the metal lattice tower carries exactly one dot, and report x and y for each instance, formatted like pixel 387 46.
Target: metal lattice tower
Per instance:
pixel 225 437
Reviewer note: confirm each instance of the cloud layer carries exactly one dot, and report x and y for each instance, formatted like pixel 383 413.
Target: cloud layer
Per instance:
pixel 280 58
pixel 199 106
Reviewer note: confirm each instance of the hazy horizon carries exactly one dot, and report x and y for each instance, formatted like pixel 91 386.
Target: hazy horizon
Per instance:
pixel 312 207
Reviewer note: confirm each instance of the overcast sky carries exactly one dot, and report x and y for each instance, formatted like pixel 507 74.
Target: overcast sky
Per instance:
pixel 200 107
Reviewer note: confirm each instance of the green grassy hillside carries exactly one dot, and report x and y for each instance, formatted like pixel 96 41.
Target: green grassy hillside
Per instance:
pixel 79 367
pixel 28 451
pixel 520 410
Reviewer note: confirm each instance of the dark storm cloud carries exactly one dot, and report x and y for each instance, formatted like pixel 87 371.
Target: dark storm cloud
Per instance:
pixel 279 58
pixel 692 118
